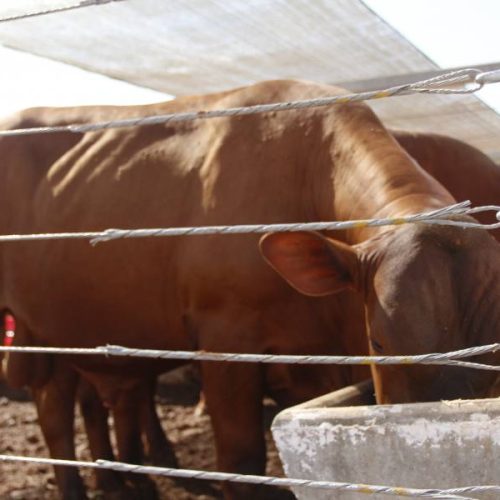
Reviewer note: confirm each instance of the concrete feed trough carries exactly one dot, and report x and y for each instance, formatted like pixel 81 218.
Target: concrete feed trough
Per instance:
pixel 424 445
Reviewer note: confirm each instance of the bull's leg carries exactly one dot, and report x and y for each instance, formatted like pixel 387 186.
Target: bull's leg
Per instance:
pixel 233 393
pixel 95 417
pixel 159 449
pixel 126 415
pixel 55 403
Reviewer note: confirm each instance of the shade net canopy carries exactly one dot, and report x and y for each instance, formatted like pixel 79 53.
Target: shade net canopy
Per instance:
pixel 199 46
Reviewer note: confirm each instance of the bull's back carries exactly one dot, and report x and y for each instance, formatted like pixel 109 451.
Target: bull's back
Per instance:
pixel 464 170
pixel 222 171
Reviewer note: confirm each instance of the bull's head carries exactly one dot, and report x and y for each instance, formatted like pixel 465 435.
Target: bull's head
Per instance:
pixel 425 288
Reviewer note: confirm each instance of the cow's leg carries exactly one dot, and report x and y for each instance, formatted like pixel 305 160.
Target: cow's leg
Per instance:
pixel 95 417
pixel 55 403
pixel 159 449
pixel 126 415
pixel 233 394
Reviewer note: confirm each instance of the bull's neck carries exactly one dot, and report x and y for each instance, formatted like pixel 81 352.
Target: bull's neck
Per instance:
pixel 371 176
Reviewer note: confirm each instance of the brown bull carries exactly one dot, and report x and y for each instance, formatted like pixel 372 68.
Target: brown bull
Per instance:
pixel 215 293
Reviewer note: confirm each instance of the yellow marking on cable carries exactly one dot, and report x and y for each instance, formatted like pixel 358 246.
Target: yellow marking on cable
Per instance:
pixel 398 221
pixel 366 362
pixel 401 491
pixel 364 488
pixel 406 361
pixel 381 94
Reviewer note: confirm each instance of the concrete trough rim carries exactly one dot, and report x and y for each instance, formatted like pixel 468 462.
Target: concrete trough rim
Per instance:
pixel 315 408
pixel 448 443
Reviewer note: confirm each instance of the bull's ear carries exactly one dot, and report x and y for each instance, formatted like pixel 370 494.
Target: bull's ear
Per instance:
pixel 311 263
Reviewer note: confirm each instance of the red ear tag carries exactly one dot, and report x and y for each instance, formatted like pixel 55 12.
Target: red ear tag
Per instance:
pixel 10 330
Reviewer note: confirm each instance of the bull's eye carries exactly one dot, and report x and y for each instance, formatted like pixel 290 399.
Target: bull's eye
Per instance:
pixel 376 346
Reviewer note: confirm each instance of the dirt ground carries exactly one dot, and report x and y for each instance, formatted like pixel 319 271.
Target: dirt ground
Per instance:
pixel 191 435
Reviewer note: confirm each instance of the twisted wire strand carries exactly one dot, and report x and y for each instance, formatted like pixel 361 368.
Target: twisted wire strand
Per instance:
pixel 263 480
pixel 471 81
pixel 78 5
pixel 452 358
pixel 434 217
